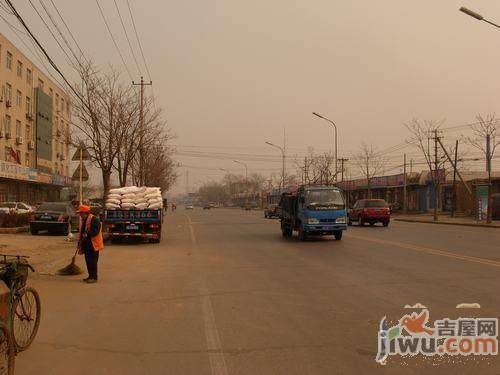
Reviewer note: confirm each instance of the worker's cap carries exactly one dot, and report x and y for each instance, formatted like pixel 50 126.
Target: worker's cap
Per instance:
pixel 83 209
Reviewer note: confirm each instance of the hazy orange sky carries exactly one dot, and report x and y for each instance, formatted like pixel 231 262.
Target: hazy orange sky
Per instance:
pixel 233 74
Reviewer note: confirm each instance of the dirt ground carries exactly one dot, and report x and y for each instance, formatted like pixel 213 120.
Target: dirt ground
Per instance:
pixel 47 253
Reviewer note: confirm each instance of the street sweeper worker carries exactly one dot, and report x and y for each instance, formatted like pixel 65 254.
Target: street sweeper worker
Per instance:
pixel 90 242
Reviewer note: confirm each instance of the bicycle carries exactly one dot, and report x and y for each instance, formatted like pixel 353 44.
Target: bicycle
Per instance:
pixel 24 304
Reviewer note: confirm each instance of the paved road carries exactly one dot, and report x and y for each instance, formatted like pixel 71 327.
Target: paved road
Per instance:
pixel 224 294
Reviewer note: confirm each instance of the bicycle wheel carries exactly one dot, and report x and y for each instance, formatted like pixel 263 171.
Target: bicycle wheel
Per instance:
pixel 25 318
pixel 7 351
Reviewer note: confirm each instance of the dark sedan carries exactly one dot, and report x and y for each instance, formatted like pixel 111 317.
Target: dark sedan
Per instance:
pixel 54 217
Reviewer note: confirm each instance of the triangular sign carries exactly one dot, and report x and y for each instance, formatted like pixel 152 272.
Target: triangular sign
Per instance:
pixel 85 154
pixel 76 174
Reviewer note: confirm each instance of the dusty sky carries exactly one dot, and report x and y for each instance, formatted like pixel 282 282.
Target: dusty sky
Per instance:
pixel 233 74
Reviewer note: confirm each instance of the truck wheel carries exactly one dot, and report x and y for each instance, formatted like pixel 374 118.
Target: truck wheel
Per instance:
pixel 33 231
pixel 302 234
pixel 338 235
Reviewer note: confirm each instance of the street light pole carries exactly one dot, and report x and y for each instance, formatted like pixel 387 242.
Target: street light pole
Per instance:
pixel 477 16
pixel 282 149
pixel 336 144
pixel 246 178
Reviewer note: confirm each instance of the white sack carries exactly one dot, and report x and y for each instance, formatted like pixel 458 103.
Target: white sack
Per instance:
pixel 113 201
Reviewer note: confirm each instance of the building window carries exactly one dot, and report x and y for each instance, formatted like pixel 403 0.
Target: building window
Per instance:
pixel 40 84
pixel 51 94
pixel 9 60
pixel 67 108
pixel 19 68
pixel 8 92
pixel 19 98
pixel 18 128
pixel 29 77
pixel 27 159
pixel 28 105
pixel 62 105
pixel 28 132
pixel 7 124
pixel 57 101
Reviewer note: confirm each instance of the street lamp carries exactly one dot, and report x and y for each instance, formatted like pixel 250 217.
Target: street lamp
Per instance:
pixel 336 144
pixel 246 178
pixel 282 149
pixel 477 16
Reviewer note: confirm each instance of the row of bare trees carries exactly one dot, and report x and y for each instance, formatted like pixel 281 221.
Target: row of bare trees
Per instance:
pixel 107 119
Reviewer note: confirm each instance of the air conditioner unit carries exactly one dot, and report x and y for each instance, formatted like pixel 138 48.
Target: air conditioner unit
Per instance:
pixel 7 135
pixel 8 103
pixel 31 145
pixel 19 140
pixel 58 132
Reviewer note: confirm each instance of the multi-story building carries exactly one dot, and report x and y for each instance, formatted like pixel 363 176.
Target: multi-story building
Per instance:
pixel 34 130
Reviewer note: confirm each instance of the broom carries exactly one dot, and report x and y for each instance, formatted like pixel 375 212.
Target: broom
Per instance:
pixel 72 268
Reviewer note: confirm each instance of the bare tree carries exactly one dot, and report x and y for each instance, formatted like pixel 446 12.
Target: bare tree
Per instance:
pixel 146 134
pixel 486 138
pixel 160 168
pixel 316 168
pixel 421 134
pixel 369 163
pixel 100 117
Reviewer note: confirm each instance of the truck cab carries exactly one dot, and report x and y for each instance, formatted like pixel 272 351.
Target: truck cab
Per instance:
pixel 314 211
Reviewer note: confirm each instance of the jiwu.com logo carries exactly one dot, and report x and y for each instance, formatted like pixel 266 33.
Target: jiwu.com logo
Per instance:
pixel 414 335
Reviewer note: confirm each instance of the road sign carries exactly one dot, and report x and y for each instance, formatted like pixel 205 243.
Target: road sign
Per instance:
pixel 85 154
pixel 76 174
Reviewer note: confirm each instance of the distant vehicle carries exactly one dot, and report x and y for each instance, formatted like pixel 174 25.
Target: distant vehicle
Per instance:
pixel 313 210
pixel 15 207
pixel 271 211
pixel 370 211
pixel 54 217
pixel 207 207
pixel 212 205
pixel 189 207
pixel 247 206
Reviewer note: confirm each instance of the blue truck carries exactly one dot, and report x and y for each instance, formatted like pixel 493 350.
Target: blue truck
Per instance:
pixel 313 210
pixel 124 223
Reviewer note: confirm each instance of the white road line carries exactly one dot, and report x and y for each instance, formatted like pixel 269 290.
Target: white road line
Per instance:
pixel 215 354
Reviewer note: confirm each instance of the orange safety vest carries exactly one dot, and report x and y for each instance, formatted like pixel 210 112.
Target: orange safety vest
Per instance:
pixel 97 241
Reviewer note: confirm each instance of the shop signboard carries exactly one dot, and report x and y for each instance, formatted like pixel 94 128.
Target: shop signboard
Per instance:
pixel 14 171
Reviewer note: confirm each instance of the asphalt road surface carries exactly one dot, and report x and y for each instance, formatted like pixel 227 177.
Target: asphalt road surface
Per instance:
pixel 224 294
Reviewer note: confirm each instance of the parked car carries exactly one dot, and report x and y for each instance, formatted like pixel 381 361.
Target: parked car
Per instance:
pixel 15 207
pixel 271 211
pixel 207 207
pixel 54 217
pixel 370 211
pixel 189 207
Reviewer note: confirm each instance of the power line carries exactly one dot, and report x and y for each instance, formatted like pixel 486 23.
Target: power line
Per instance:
pixel 128 40
pixel 52 63
pixel 113 39
pixel 69 30
pixel 59 31
pixel 51 33
pixel 141 49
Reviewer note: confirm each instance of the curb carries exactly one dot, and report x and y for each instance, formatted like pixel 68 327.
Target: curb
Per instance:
pixel 14 230
pixel 449 223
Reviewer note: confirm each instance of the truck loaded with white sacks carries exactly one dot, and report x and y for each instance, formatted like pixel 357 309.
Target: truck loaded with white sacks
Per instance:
pixel 134 212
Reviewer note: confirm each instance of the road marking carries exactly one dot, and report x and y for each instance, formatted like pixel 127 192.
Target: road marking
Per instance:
pixel 215 354
pixel 430 251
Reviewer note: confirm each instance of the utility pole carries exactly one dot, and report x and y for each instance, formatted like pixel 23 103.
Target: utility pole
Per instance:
pixel 187 183
pixel 405 200
pixel 342 161
pixel 141 137
pixel 436 175
pixel 488 169
pixel 411 166
pixel 454 191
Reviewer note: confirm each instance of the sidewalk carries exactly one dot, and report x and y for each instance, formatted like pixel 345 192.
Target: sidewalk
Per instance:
pixel 444 219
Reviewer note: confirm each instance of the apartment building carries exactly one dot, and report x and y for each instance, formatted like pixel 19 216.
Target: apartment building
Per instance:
pixel 34 130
